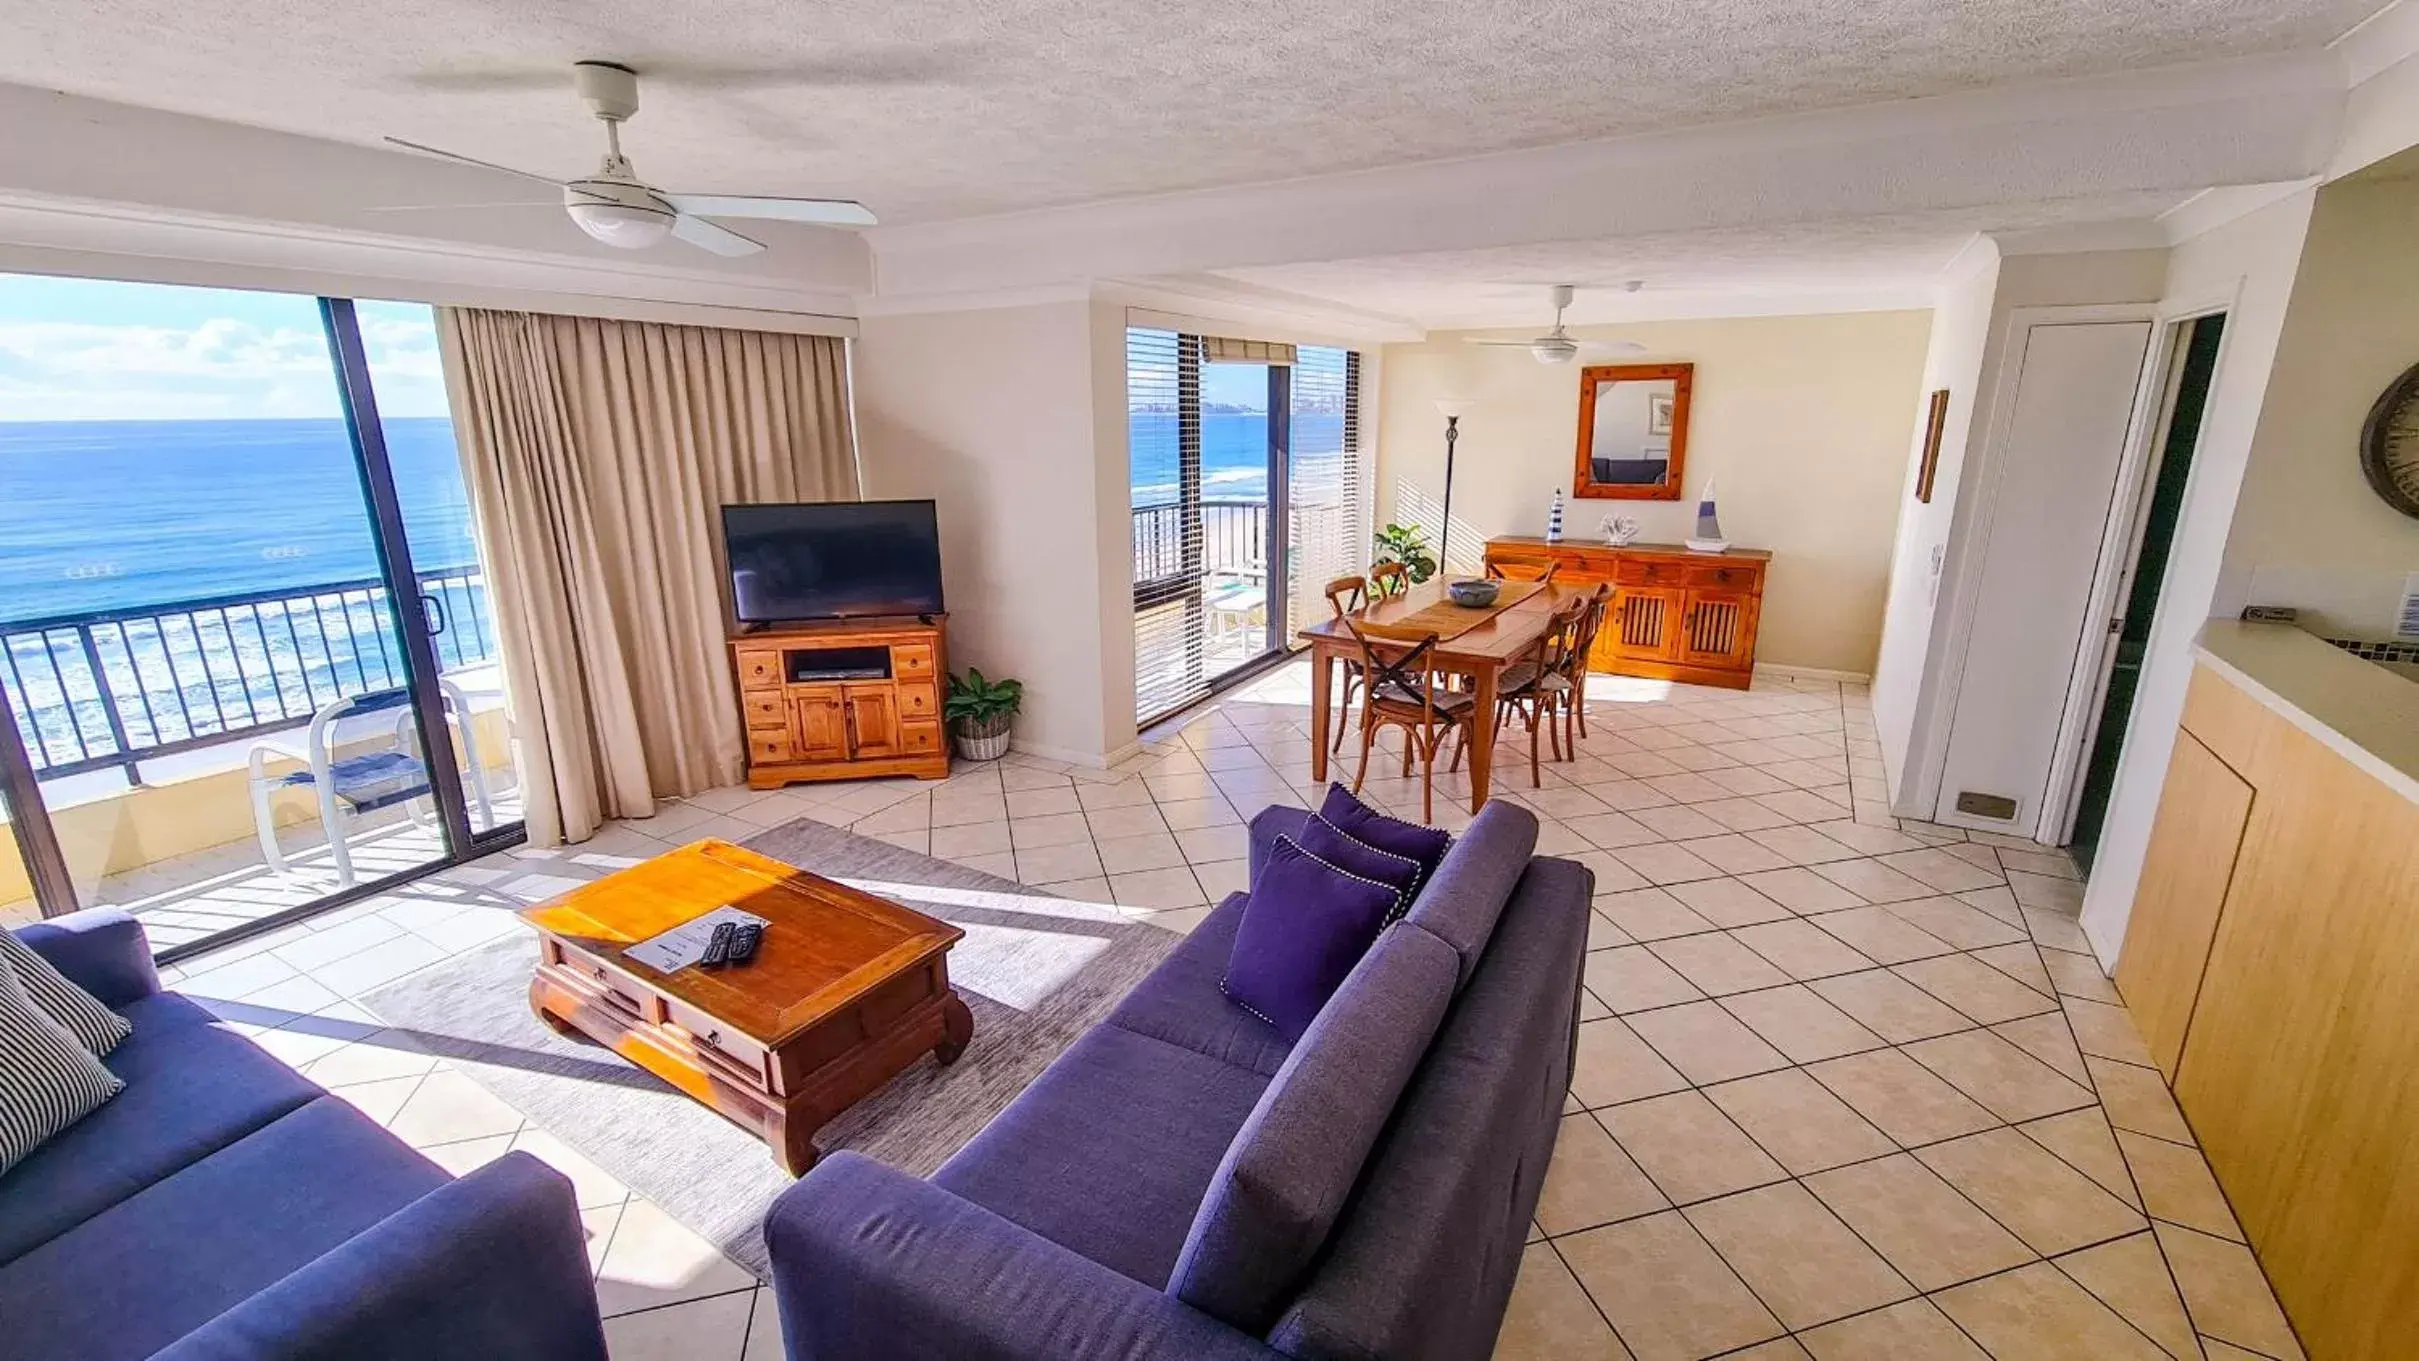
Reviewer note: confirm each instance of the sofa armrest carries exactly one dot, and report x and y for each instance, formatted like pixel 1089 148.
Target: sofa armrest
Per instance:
pixel 101 950
pixel 1276 820
pixel 870 1263
pixel 492 1265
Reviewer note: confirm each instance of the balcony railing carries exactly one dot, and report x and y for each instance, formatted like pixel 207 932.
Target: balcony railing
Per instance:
pixel 1232 537
pixel 114 688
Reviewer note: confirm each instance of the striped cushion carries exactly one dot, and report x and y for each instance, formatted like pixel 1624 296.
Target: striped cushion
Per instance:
pixel 48 1080
pixel 97 1026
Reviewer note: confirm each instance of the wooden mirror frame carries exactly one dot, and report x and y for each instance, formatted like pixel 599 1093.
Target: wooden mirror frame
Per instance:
pixel 1583 479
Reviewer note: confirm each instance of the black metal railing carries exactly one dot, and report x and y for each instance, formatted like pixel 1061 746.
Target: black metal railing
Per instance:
pixel 116 687
pixel 1232 536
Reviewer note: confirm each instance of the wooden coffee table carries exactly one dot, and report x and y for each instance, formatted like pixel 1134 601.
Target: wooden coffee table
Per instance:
pixel 845 992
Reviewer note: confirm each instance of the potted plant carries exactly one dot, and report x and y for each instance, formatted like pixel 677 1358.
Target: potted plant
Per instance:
pixel 1408 545
pixel 978 711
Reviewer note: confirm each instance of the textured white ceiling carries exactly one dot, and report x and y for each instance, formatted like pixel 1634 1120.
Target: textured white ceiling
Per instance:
pixel 1034 102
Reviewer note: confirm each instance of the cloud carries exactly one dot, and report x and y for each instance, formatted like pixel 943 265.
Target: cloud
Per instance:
pixel 221 368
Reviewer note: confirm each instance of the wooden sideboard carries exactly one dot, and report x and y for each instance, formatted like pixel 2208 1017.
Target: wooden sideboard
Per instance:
pixel 1677 615
pixel 843 700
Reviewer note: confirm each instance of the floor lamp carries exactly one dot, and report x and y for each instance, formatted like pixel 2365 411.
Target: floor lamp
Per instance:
pixel 1452 409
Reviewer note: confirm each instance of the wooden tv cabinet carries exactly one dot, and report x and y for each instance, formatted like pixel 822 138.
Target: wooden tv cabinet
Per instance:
pixel 1677 615
pixel 844 700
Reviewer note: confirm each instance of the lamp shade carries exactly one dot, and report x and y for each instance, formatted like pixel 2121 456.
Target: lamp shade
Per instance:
pixel 1450 407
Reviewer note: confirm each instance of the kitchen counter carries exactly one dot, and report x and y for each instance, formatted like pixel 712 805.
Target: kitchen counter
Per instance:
pixel 2364 712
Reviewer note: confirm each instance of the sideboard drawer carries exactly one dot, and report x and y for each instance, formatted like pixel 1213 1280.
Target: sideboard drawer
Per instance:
pixel 759 670
pixel 1650 572
pixel 919 738
pixel 765 710
pixel 1733 575
pixel 769 746
pixel 911 661
pixel 919 701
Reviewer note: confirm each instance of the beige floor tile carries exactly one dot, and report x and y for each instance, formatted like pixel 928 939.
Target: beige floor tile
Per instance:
pixel 1735 854
pixel 2226 1351
pixel 1941 870
pixel 1997 902
pixel 1143 820
pixel 1678 822
pixel 2055 927
pixel 2037 1314
pixel 1801 950
pixel 2046 1038
pixel 2005 1080
pixel 1633 978
pixel 1688 1147
pixel 1650 914
pixel 1872 880
pixel 1798 1022
pixel 591 1185
pixel 1219 878
pixel 1778 1349
pixel 1706 1043
pixel 2137 1099
pixel 2228 1298
pixel 1160 890
pixel 1913 1331
pixel 973 838
pixel 2083 1140
pixel 1050 829
pixel 1127 854
pixel 2055 893
pixel 1728 902
pixel 1798 1121
pixel 654 1261
pixel 1801 1261
pixel 1002 864
pixel 1603 935
pixel 1802 891
pixel 1921 1224
pixel 1055 801
pixel 1743 814
pixel 1975 989
pixel 1890 1006
pixel 1716 964
pixel 2177 1186
pixel 1185 814
pixel 448 1108
pixel 2020 960
pixel 1664 863
pixel 1879 936
pixel 1614 1065
pixel 2040 1199
pixel 1611 831
pixel 1866 840
pixel 1959 925
pixel 1550 1318
pixel 1056 864
pixel 2079 976
pixel 1901 1097
pixel 1668 1294
pixel 1204 845
pixel 1801 845
pixel 2107 1032
pixel 2131 1277
pixel 1611 875
pixel 1591 1181
pixel 698 1330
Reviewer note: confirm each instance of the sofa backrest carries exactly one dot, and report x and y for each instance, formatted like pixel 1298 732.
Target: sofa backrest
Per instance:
pixel 1419 1267
pixel 1285 1178
pixel 1462 900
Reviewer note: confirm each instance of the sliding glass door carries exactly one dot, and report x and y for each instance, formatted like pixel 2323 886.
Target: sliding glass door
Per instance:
pixel 223 662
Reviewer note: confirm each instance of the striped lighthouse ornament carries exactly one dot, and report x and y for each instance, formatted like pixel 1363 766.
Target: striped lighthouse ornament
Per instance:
pixel 1553 519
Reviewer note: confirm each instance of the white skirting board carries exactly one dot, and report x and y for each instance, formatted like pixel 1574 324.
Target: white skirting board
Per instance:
pixel 1813 673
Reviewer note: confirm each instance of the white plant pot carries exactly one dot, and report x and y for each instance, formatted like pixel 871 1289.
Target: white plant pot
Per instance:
pixel 989 748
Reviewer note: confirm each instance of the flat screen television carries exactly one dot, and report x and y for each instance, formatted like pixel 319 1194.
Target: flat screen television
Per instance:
pixel 832 560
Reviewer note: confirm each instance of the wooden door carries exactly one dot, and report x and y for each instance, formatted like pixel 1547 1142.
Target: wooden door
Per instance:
pixel 1718 629
pixel 873 720
pixel 819 723
pixel 2185 872
pixel 1645 623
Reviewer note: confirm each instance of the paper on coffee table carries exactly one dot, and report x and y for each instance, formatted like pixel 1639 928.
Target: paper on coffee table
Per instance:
pixel 685 944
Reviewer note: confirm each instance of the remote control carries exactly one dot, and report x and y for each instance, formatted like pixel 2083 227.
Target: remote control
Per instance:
pixel 718 946
pixel 744 941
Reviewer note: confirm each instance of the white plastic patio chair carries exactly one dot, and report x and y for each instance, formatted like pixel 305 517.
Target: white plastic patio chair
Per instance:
pixel 361 781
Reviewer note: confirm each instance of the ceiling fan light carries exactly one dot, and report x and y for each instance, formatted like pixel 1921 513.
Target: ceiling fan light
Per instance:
pixel 621 224
pixel 1554 351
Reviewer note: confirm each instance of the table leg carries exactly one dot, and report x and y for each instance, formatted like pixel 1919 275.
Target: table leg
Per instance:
pixel 957 1028
pixel 1321 663
pixel 1482 733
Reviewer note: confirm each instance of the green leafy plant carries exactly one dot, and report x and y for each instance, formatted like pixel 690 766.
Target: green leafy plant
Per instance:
pixel 1408 545
pixel 980 707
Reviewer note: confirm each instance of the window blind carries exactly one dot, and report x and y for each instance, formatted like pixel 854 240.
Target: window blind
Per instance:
pixel 1163 424
pixel 1328 534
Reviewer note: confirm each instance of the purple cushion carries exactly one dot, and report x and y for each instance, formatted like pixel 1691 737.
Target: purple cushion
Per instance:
pixel 1305 925
pixel 1353 855
pixel 1362 823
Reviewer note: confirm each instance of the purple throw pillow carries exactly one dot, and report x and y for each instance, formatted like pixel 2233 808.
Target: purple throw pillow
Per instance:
pixel 1359 821
pixel 1304 926
pixel 1398 872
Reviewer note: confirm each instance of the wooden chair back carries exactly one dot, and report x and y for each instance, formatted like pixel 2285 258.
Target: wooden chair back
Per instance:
pixel 1346 594
pixel 1413 673
pixel 1521 572
pixel 1591 622
pixel 1389 579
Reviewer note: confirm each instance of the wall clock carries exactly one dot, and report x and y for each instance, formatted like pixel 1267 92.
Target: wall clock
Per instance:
pixel 2389 444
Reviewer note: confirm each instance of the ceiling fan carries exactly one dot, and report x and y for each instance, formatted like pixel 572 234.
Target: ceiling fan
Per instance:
pixel 618 208
pixel 1556 346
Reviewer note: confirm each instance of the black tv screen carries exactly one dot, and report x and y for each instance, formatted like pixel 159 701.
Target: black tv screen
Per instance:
pixel 833 560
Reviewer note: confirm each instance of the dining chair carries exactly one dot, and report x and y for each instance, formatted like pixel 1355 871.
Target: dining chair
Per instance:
pixel 1389 579
pixel 1405 693
pixel 1496 571
pixel 1345 595
pixel 1599 608
pixel 1535 684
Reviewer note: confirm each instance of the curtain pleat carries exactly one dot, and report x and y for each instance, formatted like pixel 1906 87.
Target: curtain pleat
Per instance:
pixel 599 454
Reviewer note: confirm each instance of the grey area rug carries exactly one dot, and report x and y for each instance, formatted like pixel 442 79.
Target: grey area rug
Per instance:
pixel 1036 971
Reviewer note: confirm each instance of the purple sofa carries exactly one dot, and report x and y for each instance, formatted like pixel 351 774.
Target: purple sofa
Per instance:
pixel 1181 1183
pixel 224 1208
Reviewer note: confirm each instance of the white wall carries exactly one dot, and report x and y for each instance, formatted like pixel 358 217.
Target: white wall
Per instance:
pixel 1802 422
pixel 2245 268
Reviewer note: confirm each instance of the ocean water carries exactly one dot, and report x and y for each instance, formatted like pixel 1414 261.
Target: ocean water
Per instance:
pixel 1234 452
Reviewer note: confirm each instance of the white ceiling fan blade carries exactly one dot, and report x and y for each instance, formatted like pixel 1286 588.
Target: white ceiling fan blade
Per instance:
pixel 720 240
pixel 1611 347
pixel 554 203
pixel 471 160
pixel 827 212
pixel 1512 344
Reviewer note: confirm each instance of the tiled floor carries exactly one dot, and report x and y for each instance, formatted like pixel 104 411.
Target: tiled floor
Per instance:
pixel 1846 1089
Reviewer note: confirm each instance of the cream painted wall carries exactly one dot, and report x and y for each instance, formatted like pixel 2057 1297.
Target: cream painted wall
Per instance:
pixel 991 414
pixel 2310 532
pixel 1803 422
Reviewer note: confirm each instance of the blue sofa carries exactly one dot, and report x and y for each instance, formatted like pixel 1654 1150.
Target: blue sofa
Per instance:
pixel 223 1208
pixel 1181 1183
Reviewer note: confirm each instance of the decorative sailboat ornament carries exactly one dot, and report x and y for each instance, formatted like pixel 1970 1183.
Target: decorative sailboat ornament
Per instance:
pixel 1708 538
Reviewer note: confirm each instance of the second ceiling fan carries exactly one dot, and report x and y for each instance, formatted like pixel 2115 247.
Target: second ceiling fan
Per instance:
pixel 1557 346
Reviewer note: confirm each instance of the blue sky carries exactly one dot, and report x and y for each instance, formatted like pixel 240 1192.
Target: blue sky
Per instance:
pixel 87 349
pixel 1235 385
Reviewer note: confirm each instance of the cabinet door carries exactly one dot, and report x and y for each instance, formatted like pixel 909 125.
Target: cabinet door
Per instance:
pixel 1646 623
pixel 2185 873
pixel 1718 630
pixel 819 723
pixel 873 720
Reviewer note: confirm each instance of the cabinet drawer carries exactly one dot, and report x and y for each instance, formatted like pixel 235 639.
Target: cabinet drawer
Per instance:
pixel 715 1041
pixel 759 670
pixel 1732 575
pixel 769 746
pixel 766 712
pixel 911 661
pixel 919 738
pixel 919 701
pixel 1650 572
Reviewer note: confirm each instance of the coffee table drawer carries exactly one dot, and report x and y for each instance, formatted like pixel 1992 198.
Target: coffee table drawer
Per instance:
pixel 716 1041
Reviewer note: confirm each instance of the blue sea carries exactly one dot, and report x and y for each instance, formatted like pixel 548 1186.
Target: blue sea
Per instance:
pixel 1234 452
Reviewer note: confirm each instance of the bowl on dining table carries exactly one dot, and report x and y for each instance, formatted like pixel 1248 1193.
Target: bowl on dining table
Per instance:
pixel 1473 594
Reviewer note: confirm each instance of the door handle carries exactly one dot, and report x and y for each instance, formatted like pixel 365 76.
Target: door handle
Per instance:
pixel 432 613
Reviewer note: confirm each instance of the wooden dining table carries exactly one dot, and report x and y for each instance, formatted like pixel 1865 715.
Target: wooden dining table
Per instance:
pixel 1504 633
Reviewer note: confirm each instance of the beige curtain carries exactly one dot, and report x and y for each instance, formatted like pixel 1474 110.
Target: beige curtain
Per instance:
pixel 599 455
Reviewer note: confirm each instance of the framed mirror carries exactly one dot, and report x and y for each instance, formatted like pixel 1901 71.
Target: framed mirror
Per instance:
pixel 1633 431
